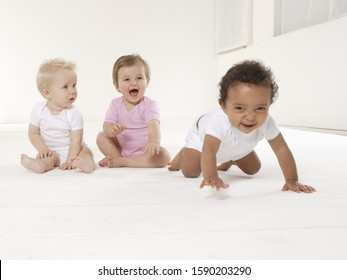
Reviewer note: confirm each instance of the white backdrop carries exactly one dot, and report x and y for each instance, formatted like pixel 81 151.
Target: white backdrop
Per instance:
pixel 175 37
pixel 178 40
pixel 310 68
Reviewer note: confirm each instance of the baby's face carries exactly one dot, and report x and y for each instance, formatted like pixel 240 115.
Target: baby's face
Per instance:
pixel 247 106
pixel 62 91
pixel 132 83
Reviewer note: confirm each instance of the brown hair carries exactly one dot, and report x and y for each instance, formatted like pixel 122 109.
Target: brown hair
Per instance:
pixel 129 60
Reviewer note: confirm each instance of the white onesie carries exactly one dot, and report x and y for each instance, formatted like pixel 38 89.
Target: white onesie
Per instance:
pixel 56 129
pixel 234 143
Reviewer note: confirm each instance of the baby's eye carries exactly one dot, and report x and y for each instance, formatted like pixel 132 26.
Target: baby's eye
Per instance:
pixel 65 87
pixel 239 108
pixel 261 109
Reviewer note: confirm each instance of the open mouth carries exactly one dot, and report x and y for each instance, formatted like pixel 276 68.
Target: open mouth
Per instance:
pixel 248 125
pixel 134 92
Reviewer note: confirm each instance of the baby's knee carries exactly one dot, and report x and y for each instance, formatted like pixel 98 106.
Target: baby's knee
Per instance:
pixel 191 173
pixel 253 170
pixel 100 135
pixel 100 138
pixel 165 155
pixel 85 152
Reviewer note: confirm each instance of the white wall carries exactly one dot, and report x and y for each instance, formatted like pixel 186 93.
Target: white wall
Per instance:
pixel 310 68
pixel 175 37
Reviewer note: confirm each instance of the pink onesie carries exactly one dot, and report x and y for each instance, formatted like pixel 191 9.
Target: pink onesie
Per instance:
pixel 135 136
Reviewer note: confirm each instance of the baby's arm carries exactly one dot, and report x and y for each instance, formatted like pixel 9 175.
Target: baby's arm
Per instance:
pixel 288 166
pixel 112 129
pixel 209 163
pixel 153 145
pixel 74 149
pixel 36 140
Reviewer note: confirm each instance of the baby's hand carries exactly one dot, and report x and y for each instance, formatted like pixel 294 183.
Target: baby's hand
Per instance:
pixel 214 182
pixel 116 129
pixel 44 154
pixel 152 149
pixel 297 187
pixel 67 165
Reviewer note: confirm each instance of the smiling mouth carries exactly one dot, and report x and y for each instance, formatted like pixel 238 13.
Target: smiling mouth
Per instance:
pixel 134 92
pixel 248 125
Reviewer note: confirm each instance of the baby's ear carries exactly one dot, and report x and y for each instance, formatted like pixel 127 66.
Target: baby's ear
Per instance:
pixel 221 103
pixel 116 86
pixel 45 93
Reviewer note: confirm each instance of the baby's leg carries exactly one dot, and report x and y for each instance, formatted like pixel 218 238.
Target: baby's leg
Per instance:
pixel 249 164
pixel 109 147
pixel 84 161
pixel 40 165
pixel 175 163
pixel 191 163
pixel 142 161
pixel 225 166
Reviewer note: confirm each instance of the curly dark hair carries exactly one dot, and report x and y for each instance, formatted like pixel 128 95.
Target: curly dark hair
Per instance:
pixel 248 72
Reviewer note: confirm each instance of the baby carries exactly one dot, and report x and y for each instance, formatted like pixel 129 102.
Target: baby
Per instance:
pixel 131 130
pixel 56 126
pixel 228 136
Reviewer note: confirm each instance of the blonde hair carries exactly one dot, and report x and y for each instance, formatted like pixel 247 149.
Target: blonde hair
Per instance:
pixel 47 70
pixel 129 60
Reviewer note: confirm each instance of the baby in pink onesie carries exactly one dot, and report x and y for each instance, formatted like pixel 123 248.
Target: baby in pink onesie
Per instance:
pixel 131 130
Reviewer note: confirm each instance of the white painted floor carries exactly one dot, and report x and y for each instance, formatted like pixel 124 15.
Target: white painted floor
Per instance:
pixel 156 214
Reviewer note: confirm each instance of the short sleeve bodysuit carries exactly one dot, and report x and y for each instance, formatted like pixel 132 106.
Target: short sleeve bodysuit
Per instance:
pixel 55 130
pixel 135 136
pixel 234 143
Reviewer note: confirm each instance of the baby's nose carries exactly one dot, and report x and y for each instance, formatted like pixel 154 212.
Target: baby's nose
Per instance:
pixel 250 115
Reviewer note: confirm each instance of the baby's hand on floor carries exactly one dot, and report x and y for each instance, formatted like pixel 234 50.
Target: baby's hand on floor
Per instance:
pixel 297 187
pixel 214 182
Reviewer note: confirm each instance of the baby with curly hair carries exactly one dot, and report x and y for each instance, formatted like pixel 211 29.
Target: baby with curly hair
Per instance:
pixel 228 136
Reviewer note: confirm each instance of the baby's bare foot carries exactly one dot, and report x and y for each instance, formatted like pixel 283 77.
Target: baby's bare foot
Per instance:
pixel 33 164
pixel 224 166
pixel 111 162
pixel 175 163
pixel 82 164
pixel 173 166
pixel 103 162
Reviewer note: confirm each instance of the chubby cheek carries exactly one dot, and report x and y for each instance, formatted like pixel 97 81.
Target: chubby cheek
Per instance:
pixel 234 119
pixel 262 119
